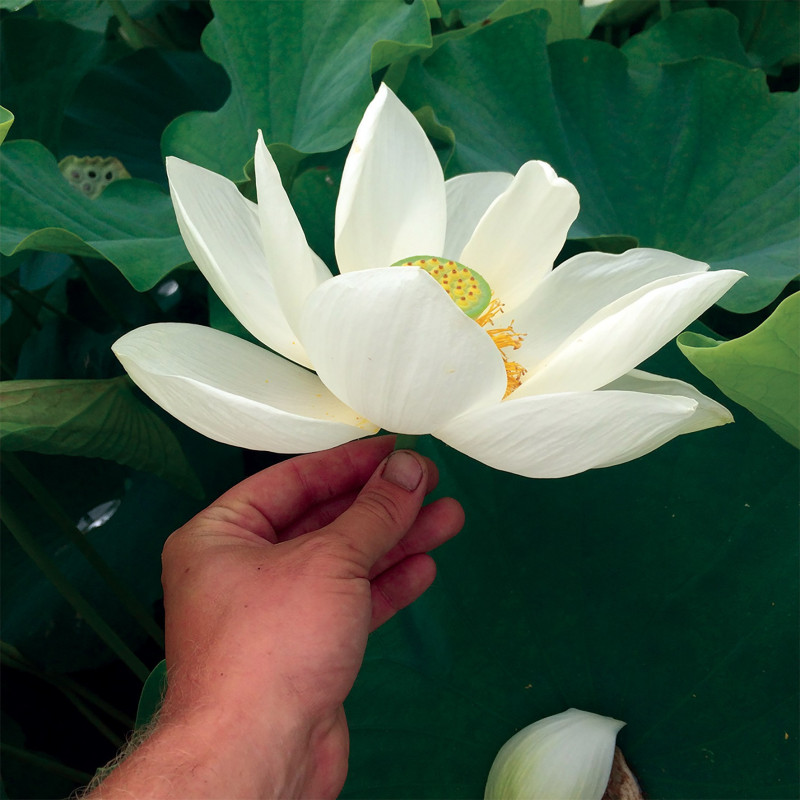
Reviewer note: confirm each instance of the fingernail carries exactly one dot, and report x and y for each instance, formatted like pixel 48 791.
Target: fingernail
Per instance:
pixel 403 470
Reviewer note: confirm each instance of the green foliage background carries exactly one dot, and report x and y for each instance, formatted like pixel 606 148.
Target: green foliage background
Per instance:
pixel 662 592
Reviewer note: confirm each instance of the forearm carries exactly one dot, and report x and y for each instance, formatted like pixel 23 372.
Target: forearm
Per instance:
pixel 208 755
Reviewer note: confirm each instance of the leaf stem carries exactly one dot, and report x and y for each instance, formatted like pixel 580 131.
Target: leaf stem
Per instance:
pixel 46 501
pixel 12 658
pixel 46 764
pixel 47 565
pixel 16 287
pixel 87 712
pixel 756 28
pixel 127 25
pixel 31 317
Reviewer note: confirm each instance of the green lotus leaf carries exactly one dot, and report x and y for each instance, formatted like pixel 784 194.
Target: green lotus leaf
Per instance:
pixel 636 141
pixel 698 32
pixel 770 31
pixel 122 108
pixel 131 224
pixel 93 16
pixel 14 5
pixel 95 419
pixel 761 370
pixel 565 15
pixel 663 592
pixel 42 62
pixel 299 71
pixel 152 694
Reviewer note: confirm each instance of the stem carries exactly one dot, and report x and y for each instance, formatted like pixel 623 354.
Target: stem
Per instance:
pixel 756 28
pixel 11 657
pixel 665 7
pixel 46 764
pixel 13 285
pixel 47 565
pixel 87 712
pixel 24 311
pixel 406 441
pixel 44 499
pixel 127 25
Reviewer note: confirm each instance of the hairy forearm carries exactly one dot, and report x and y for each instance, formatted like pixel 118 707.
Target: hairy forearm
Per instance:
pixel 206 755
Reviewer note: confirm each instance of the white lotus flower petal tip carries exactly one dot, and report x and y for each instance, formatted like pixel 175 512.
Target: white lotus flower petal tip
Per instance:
pixel 517 239
pixel 392 201
pixel 564 757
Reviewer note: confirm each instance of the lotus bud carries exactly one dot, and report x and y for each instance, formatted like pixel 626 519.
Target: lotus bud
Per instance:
pixel 564 757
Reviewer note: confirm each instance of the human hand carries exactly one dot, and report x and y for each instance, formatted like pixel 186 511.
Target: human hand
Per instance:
pixel 270 594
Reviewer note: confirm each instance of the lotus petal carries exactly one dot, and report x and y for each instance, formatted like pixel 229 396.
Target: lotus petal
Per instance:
pixel 236 392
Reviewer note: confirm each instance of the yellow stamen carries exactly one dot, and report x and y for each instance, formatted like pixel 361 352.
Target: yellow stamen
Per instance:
pixel 503 339
pixel 492 310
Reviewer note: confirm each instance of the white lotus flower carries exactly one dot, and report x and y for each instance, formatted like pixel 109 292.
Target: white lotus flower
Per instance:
pixel 564 757
pixel 390 349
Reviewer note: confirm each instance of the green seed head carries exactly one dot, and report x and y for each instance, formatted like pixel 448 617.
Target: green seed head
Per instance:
pixel 467 288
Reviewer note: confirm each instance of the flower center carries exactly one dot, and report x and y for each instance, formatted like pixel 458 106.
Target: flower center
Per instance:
pixel 468 289
pixel 472 294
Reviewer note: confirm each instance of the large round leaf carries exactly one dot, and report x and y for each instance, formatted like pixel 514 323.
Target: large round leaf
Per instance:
pixel 771 31
pixel 131 224
pixel 698 32
pixel 661 592
pixel 299 71
pixel 42 63
pixel 696 157
pixel 565 15
pixel 760 370
pixel 121 109
pixel 92 418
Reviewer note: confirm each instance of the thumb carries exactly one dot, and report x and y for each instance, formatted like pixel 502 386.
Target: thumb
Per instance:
pixel 386 507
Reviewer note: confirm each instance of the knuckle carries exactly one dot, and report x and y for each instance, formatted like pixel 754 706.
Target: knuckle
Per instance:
pixel 173 546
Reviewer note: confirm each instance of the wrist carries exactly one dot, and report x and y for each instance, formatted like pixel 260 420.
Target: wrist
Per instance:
pixel 212 751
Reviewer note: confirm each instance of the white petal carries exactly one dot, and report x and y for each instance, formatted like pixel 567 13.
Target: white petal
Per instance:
pixel 624 333
pixel 391 202
pixel 517 240
pixel 236 392
pixel 553 435
pixel 708 414
pixel 294 268
pixel 468 197
pixel 222 233
pixel 580 288
pixel 564 757
pixel 392 345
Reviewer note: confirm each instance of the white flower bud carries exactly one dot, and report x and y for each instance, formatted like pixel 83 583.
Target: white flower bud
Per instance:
pixel 564 757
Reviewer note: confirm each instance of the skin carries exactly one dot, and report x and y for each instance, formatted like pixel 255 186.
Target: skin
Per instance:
pixel 270 594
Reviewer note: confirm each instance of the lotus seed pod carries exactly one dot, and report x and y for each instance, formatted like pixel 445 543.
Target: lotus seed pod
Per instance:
pixel 91 174
pixel 466 287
